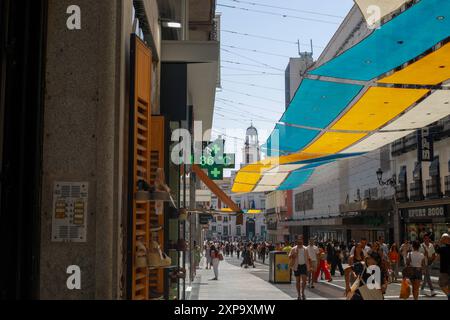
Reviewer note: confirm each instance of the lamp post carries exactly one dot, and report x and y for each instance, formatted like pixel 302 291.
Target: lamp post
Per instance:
pixel 392 182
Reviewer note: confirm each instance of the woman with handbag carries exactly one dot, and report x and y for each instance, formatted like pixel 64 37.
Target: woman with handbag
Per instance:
pixel 416 261
pixel 359 290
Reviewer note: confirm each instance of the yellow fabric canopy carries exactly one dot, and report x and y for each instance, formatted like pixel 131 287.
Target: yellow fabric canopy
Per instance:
pixel 430 70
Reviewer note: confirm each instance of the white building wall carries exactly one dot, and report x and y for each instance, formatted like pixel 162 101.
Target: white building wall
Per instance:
pixel 332 183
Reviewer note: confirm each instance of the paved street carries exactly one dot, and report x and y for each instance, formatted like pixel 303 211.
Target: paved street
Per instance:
pixel 236 283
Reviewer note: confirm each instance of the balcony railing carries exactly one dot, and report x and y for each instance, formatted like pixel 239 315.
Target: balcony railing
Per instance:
pixel 416 191
pixel 447 186
pixel 401 193
pixel 404 145
pixel 433 189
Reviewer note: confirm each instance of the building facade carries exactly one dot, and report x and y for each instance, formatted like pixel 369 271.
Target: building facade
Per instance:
pixel 423 191
pixel 105 83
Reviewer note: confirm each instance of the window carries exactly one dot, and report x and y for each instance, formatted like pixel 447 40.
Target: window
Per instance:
pixel 213 229
pixel 225 219
pixel 263 204
pixel 238 230
pixel 304 200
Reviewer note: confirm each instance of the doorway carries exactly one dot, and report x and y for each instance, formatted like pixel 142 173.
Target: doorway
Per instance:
pixel 22 39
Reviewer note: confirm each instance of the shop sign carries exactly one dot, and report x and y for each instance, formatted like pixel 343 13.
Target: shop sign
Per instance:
pixel 427 212
pixel 425 145
pixel 205 218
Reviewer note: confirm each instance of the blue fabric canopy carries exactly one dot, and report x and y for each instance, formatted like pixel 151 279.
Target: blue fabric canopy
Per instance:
pixel 398 41
pixel 291 139
pixel 317 103
pixel 296 179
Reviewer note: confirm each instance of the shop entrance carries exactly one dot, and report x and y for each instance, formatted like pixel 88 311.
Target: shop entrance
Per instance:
pixel 22 38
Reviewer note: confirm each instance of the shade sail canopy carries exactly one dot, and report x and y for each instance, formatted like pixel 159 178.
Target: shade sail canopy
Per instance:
pixel 376 141
pixel 334 119
pixel 432 109
pixel 333 142
pixel 375 10
pixel 398 41
pixel 296 179
pixel 433 69
pixel 377 107
pixel 291 139
pixel 317 103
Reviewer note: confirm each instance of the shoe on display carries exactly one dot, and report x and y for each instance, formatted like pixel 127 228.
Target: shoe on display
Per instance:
pixel 141 255
pixel 157 258
pixel 160 181
pixel 156 229
pixel 433 293
pixel 422 292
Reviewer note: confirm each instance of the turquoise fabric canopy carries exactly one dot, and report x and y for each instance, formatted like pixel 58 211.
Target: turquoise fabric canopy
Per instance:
pixel 398 41
pixel 317 103
pixel 291 139
pixel 296 179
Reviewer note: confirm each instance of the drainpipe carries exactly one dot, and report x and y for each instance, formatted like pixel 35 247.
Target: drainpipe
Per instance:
pixel 185 20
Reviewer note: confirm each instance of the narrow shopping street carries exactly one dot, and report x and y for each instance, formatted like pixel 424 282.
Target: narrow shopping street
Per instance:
pixel 232 278
pixel 142 139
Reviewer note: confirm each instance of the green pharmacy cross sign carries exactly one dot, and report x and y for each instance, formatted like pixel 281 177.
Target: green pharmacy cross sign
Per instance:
pixel 214 160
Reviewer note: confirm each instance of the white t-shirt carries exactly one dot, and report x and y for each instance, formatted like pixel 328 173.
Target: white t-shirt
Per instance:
pixel 416 259
pixel 313 251
pixel 430 249
pixel 366 251
pixel 301 255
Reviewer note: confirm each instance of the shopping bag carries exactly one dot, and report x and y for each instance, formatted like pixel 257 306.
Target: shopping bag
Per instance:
pixel 370 294
pixel 405 290
pixel 353 288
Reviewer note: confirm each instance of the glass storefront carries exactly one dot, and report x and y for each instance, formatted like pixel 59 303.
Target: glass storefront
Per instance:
pixel 416 231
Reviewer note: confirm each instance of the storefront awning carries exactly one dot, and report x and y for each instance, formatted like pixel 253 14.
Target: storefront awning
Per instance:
pixel 400 40
pixel 351 114
pixel 375 10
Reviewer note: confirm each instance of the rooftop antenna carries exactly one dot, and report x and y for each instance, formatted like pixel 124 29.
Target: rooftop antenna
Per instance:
pixel 301 54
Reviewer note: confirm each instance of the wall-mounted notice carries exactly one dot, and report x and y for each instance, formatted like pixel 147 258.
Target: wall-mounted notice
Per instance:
pixel 69 215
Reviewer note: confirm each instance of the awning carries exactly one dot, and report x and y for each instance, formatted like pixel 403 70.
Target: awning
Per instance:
pixel 398 41
pixel 375 10
pixel 352 114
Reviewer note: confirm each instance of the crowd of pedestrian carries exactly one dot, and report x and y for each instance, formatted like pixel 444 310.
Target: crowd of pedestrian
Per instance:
pixel 314 260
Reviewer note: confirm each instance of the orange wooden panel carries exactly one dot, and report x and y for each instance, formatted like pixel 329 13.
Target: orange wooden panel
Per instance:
pixel 141 158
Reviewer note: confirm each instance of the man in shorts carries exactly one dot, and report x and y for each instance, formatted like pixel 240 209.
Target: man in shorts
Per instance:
pixel 300 263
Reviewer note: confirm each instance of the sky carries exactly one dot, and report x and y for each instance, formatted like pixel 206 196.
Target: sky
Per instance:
pixel 252 82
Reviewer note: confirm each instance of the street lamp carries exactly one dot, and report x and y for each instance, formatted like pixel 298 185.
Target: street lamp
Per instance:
pixel 389 182
pixel 392 182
